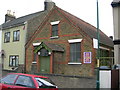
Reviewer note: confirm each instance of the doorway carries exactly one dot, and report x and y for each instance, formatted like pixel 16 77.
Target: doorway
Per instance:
pixel 44 64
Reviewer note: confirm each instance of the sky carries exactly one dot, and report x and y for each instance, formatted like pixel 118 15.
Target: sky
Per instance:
pixel 83 9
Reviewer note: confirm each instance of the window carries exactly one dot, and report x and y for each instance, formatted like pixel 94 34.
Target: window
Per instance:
pixel 7 37
pixel 55 30
pixel 35 53
pixel 13 61
pixel 45 82
pixel 35 57
pixel 75 52
pixel 25 81
pixel 16 35
pixel 104 53
pixel 9 79
pixel 44 52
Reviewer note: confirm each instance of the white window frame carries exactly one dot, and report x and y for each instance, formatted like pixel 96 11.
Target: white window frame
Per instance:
pixel 74 41
pixel 54 23
pixel 7 37
pixel 13 60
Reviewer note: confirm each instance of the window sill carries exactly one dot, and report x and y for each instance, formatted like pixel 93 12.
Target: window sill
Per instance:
pixel 13 66
pixel 74 63
pixel 54 37
pixel 7 42
pixel 34 62
pixel 16 40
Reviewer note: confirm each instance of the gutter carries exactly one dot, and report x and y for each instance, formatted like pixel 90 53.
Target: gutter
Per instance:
pixel 15 25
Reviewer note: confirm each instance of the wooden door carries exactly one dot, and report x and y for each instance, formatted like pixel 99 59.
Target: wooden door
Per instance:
pixel 44 64
pixel 115 79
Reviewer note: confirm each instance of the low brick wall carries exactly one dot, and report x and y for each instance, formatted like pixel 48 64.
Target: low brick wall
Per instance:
pixel 64 81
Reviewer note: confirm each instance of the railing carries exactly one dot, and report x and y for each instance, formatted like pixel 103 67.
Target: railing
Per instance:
pixel 106 61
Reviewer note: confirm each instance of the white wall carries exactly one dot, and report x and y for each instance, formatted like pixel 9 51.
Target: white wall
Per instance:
pixel 116 22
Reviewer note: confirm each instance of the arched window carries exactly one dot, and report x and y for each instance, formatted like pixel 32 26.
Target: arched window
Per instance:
pixel 44 52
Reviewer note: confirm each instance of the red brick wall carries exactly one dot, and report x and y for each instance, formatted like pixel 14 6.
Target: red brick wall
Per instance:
pixel 67 31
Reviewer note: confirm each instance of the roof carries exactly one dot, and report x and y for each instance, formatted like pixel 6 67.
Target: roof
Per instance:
pixel 55 47
pixel 88 28
pixel 50 46
pixel 20 20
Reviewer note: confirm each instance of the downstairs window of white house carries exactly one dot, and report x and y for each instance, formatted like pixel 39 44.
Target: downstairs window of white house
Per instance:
pixel 13 61
pixel 75 52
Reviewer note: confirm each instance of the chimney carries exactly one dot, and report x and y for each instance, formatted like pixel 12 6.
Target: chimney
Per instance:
pixel 48 4
pixel 9 16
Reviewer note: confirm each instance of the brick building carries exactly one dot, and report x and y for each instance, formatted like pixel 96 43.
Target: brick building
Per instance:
pixel 63 44
pixel 15 33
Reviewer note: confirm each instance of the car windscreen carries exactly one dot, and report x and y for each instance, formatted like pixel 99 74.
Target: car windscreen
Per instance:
pixel 46 82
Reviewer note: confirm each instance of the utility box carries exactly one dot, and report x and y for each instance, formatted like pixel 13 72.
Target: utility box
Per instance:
pixel 105 78
pixel 108 78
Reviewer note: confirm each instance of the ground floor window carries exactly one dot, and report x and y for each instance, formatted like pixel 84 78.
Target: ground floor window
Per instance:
pixel 104 53
pixel 75 52
pixel 13 60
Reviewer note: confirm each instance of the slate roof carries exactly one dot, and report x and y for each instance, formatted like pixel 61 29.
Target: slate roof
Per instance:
pixel 88 28
pixel 20 20
pixel 55 47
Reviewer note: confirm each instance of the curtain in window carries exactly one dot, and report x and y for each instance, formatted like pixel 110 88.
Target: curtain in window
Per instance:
pixel 75 52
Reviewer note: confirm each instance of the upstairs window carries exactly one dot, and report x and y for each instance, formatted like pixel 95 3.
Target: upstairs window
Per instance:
pixel 55 30
pixel 16 35
pixel 7 37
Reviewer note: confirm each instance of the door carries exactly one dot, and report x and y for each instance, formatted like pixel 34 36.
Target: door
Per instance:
pixel 44 64
pixel 115 79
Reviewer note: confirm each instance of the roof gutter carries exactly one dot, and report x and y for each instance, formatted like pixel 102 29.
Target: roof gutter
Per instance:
pixel 15 25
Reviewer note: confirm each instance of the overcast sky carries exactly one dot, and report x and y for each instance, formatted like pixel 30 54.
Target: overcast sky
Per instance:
pixel 83 9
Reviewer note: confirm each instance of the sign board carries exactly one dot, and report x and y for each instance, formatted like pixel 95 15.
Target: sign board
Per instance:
pixel 95 43
pixel 87 57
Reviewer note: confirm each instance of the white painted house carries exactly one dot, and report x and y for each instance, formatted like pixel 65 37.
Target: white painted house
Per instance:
pixel 116 21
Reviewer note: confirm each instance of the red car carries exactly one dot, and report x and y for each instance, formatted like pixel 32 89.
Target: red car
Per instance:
pixel 20 80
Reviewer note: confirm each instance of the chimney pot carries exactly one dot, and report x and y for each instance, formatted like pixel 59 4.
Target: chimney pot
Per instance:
pixel 48 0
pixel 9 16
